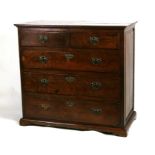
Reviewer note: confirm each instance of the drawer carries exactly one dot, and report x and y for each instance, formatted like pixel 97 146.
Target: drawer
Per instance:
pixel 43 37
pixel 82 60
pixel 70 109
pixel 108 39
pixel 73 83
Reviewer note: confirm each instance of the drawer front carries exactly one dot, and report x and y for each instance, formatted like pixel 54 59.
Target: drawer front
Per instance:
pixel 95 39
pixel 45 38
pixel 82 60
pixel 71 83
pixel 70 109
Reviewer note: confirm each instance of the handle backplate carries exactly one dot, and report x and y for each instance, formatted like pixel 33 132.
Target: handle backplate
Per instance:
pixel 45 106
pixel 43 38
pixel 70 103
pixel 96 111
pixel 96 60
pixel 44 81
pixel 69 56
pixel 96 85
pixel 70 79
pixel 93 40
pixel 43 59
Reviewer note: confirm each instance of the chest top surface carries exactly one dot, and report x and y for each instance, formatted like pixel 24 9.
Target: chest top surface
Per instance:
pixel 72 23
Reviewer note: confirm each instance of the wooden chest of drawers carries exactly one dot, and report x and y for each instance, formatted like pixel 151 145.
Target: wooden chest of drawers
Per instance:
pixel 77 76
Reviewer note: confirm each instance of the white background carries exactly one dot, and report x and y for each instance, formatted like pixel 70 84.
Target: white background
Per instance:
pixel 15 139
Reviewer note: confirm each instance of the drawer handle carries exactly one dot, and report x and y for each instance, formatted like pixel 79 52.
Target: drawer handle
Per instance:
pixel 96 61
pixel 93 40
pixel 69 56
pixel 44 81
pixel 43 38
pixel 96 111
pixel 45 106
pixel 96 85
pixel 70 79
pixel 43 59
pixel 70 103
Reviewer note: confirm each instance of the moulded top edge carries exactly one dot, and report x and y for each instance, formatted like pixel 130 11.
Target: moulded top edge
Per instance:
pixel 72 23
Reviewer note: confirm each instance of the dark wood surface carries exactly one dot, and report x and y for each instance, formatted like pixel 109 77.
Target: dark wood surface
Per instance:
pixel 81 84
pixel 81 60
pixel 77 76
pixel 119 131
pixel 55 38
pixel 66 108
pixel 108 39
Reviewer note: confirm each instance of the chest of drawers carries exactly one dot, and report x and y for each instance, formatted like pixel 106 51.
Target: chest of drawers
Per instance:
pixel 77 76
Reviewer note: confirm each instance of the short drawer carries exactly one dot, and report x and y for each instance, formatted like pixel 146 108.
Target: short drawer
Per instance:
pixel 83 60
pixel 73 83
pixel 108 39
pixel 70 109
pixel 44 37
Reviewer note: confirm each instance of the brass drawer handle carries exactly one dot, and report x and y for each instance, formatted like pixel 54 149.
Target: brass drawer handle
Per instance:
pixel 69 56
pixel 43 38
pixel 70 103
pixel 44 81
pixel 45 106
pixel 96 111
pixel 96 60
pixel 70 79
pixel 93 40
pixel 43 59
pixel 96 85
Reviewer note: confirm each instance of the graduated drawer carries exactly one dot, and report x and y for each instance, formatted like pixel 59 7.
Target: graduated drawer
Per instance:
pixel 83 60
pixel 73 83
pixel 44 37
pixel 70 109
pixel 109 39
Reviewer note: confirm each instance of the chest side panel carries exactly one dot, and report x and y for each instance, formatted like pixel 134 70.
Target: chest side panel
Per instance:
pixel 129 71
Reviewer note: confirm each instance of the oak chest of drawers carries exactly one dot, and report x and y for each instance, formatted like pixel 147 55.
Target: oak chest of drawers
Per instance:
pixel 77 76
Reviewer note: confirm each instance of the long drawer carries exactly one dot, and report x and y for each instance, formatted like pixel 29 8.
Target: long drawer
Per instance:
pixel 70 109
pixel 77 59
pixel 73 83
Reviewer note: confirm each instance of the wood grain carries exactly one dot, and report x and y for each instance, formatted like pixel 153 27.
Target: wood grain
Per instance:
pixel 61 87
